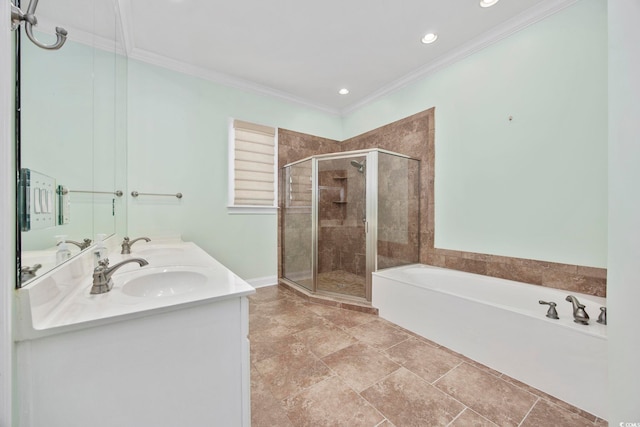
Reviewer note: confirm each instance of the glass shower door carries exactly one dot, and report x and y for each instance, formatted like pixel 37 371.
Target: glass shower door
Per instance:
pixel 341 222
pixel 297 242
pixel 398 213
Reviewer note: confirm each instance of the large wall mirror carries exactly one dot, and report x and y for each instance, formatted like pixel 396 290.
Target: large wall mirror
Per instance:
pixel 72 131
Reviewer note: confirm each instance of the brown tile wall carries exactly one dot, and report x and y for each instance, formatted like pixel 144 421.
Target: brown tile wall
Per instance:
pixel 415 137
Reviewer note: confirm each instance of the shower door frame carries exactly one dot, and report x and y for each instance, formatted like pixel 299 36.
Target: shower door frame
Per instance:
pixel 371 225
pixel 371 214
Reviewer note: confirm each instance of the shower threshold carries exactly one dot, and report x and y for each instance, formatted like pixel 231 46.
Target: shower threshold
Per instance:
pixel 339 282
pixel 329 298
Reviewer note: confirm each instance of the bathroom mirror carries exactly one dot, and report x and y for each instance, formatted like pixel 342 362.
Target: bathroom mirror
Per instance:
pixel 73 121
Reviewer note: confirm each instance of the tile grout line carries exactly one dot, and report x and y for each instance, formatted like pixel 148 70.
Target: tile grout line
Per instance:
pixel 548 398
pixel 336 375
pixel 368 385
pixel 457 416
pixel 268 389
pixel 445 374
pixel 456 399
pixel 299 392
pixel 460 402
pixel 529 411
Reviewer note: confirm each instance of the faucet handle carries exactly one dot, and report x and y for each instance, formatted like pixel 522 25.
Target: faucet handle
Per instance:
pixel 602 319
pixel 102 264
pixel 552 313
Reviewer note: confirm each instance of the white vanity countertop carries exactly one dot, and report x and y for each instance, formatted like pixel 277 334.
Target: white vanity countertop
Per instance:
pixel 60 301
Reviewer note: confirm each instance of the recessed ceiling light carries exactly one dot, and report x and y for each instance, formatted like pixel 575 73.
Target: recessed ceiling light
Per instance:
pixel 429 38
pixel 488 3
pixel 343 91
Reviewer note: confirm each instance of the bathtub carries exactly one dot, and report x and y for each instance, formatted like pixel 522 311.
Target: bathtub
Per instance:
pixel 500 323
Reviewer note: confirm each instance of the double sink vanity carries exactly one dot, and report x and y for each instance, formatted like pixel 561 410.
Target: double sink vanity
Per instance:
pixel 166 346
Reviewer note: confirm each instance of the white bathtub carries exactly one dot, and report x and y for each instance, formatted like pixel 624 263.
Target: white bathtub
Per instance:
pixel 500 323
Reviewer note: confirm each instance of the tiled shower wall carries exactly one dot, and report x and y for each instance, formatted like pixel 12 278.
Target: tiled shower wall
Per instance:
pixel 341 238
pixel 415 137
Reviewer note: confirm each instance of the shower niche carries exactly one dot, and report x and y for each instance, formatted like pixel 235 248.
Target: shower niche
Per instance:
pixel 345 215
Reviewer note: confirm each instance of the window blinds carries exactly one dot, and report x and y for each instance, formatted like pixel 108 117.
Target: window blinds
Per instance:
pixel 254 164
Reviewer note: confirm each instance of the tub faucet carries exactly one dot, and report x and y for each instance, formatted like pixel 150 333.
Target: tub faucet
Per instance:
pixel 579 315
pixel 83 245
pixel 102 282
pixel 126 244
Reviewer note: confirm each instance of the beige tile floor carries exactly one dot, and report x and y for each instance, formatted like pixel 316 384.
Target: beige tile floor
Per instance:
pixel 315 365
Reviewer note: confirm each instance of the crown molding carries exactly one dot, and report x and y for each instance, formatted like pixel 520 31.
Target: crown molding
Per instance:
pixel 512 26
pixel 128 48
pixel 143 55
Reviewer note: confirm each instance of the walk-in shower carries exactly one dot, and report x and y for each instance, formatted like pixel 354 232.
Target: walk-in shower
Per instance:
pixel 345 215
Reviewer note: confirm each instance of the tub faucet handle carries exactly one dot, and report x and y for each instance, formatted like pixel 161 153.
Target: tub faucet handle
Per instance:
pixel 603 316
pixel 552 313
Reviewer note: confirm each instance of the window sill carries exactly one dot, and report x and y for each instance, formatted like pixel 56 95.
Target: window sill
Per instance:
pixel 252 210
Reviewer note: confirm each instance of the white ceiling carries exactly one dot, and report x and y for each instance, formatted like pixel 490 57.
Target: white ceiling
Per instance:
pixel 300 50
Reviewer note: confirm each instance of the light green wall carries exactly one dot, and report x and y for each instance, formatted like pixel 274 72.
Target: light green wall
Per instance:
pixel 534 187
pixel 178 136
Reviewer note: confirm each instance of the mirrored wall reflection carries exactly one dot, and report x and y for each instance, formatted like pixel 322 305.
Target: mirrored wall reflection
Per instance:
pixel 73 125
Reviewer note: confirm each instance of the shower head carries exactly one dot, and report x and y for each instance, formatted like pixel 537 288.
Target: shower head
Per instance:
pixel 359 165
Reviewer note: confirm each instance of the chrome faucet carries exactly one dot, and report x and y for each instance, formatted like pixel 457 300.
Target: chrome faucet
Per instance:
pixel 126 244
pixel 28 273
pixel 102 282
pixel 84 245
pixel 579 315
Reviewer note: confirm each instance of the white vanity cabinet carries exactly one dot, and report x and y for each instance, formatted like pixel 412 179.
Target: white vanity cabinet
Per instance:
pixel 182 364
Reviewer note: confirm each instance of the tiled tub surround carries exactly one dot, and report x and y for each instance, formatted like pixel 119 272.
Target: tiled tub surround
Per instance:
pixel 501 324
pixel 415 136
pixel 314 365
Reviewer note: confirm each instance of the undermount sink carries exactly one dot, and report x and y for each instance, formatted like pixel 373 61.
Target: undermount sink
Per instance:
pixel 163 282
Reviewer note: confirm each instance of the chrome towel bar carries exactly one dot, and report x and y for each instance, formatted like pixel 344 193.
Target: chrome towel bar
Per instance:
pixel 64 191
pixel 136 194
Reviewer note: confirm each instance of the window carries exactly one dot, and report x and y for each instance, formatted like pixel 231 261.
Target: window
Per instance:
pixel 252 168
